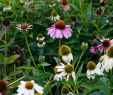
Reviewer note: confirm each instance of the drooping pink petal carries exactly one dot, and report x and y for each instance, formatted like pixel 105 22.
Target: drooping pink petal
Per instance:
pixel 111 42
pixel 58 33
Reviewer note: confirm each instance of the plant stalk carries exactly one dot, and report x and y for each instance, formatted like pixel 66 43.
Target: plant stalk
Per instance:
pixel 29 50
pixel 79 60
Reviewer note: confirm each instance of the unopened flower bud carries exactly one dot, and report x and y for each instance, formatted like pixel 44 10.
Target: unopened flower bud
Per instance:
pixel 84 46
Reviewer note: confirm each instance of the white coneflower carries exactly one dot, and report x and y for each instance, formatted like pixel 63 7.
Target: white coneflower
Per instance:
pixel 65 71
pixel 93 70
pixel 40 37
pixel 29 88
pixel 66 91
pixel 107 61
pixel 25 27
pixel 41 43
pixel 65 53
pixel 54 16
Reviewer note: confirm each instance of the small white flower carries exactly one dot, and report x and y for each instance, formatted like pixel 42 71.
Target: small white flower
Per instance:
pixel 59 76
pixel 29 88
pixel 42 44
pixel 67 58
pixel 42 38
pixel 24 27
pixel 93 70
pixel 107 63
pixel 65 71
pixel 55 18
pixel 7 8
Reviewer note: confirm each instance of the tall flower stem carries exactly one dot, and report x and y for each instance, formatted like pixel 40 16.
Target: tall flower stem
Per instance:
pixel 79 60
pixel 16 80
pixel 59 47
pixel 110 80
pixel 29 49
pixel 5 35
pixel 76 88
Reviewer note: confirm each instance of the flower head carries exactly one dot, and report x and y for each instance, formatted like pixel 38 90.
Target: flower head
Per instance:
pixel 40 38
pixel 84 46
pixel 60 30
pixel 41 43
pixel 6 23
pixel 105 44
pixel 106 62
pixel 4 86
pixel 65 53
pixel 94 49
pixel 93 70
pixel 54 16
pixel 64 50
pixel 25 27
pixel 102 2
pixel 28 88
pixel 66 91
pixel 64 71
pixel 65 5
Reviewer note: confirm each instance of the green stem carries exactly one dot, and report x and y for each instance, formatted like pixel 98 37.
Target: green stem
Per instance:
pixel 79 60
pixel 5 50
pixel 16 80
pixel 71 89
pixel 29 49
pixel 58 54
pixel 76 89
pixel 14 71
pixel 110 79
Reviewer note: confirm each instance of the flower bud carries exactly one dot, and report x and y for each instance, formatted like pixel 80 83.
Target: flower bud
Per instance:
pixel 84 46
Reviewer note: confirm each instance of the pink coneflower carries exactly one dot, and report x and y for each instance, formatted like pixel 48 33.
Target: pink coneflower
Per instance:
pixel 60 30
pixel 102 2
pixel 24 26
pixel 65 5
pixel 94 49
pixel 105 44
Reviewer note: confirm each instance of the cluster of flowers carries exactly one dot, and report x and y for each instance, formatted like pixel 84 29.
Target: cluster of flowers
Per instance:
pixel 65 69
pixel 105 64
pixel 25 88
pixel 105 43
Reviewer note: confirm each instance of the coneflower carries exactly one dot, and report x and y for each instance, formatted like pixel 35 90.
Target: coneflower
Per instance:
pixel 4 86
pixel 93 70
pixel 65 53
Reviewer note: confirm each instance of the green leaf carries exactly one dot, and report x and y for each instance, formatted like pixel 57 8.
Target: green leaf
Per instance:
pixel 26 68
pixel 1 58
pixel 11 59
pixel 45 64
